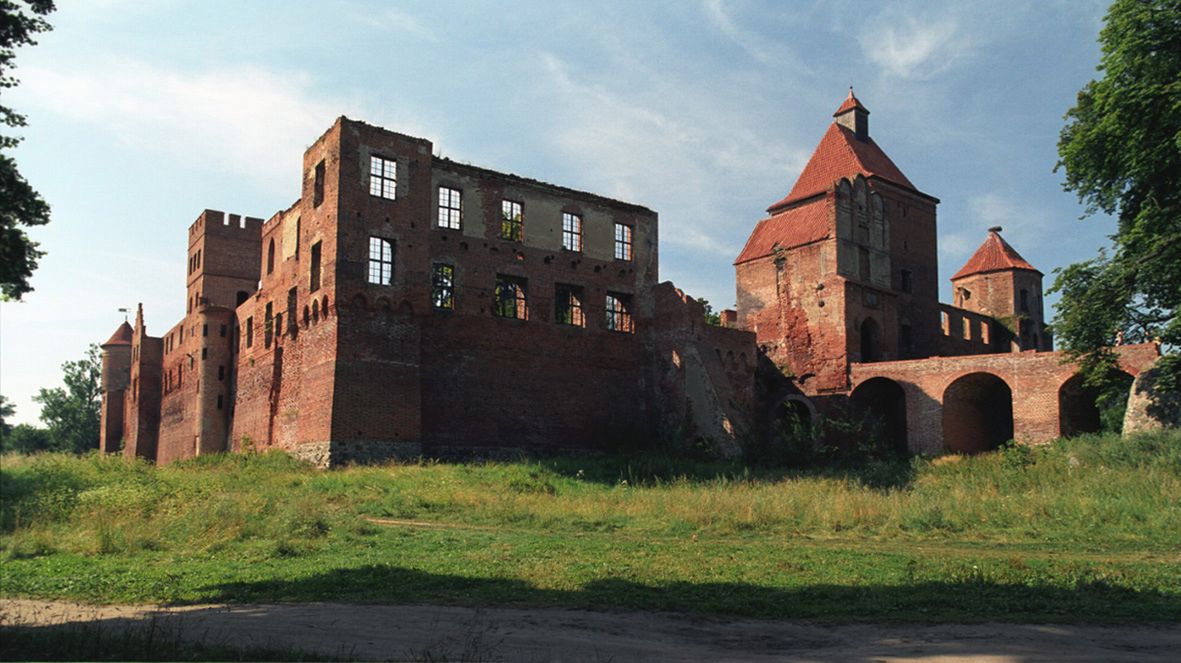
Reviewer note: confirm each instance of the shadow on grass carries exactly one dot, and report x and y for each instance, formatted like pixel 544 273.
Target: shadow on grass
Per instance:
pixel 649 469
pixel 971 600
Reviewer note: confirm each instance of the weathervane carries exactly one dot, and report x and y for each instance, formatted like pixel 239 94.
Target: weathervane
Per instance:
pixel 124 311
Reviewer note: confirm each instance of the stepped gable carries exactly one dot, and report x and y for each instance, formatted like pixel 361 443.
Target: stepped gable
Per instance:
pixel 841 153
pixel 994 255
pixel 122 335
pixel 795 227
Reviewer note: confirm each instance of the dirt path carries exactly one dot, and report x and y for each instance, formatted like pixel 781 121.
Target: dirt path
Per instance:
pixel 395 632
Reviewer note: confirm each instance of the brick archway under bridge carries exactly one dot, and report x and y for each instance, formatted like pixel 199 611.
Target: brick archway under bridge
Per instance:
pixel 1033 378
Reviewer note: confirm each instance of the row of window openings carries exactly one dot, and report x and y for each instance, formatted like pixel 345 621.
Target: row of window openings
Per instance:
pixel 172 340
pixel 511 300
pixel 965 328
pixel 273 322
pixel 195 261
pixel 174 378
pixel 383 183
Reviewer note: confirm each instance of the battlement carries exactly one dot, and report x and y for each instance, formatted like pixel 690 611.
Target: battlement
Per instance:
pixel 217 222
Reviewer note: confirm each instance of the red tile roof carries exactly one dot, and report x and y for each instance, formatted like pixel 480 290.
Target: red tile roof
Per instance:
pixel 122 335
pixel 994 255
pixel 795 227
pixel 850 103
pixel 838 155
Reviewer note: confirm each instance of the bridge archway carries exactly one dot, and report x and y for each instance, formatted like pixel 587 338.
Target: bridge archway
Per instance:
pixel 977 413
pixel 1083 409
pixel 885 400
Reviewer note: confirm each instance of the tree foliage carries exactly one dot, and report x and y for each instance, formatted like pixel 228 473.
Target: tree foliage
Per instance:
pixel 72 414
pixel 1121 154
pixel 20 205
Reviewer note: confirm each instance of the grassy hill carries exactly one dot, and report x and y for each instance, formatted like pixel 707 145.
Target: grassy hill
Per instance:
pixel 1087 529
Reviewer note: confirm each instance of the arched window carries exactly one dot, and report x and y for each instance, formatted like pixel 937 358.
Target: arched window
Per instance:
pixel 271 256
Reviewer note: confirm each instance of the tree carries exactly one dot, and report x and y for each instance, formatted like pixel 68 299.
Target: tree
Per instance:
pixel 711 317
pixel 27 439
pixel 1121 153
pixel 7 409
pixel 20 205
pixel 73 414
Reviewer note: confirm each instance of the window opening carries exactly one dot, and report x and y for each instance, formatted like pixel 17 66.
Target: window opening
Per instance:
pixel 967 325
pixel 571 232
pixel 314 283
pixel 249 331
pixel 222 331
pixel 318 185
pixel 512 224
pixel 381 261
pixel 443 286
pixel 221 372
pixel 907 282
pixel 383 177
pixel 568 305
pixel 510 297
pixel 623 242
pixel 268 325
pixel 449 207
pixel 271 256
pixel 1024 301
pixel 619 317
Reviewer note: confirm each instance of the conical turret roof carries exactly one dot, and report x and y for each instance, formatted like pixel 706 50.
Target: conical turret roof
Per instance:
pixel 122 335
pixel 994 255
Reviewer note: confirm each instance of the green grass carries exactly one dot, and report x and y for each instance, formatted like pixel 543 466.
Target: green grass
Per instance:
pixel 1086 529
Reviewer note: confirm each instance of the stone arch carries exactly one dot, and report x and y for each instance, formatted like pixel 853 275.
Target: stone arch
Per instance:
pixel 977 413
pixel 870 333
pixel 885 400
pixel 794 413
pixel 1082 410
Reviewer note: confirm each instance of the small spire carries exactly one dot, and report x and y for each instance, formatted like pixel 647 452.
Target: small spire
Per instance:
pixel 853 115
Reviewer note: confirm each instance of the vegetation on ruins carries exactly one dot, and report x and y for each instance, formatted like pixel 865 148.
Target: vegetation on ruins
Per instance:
pixel 1121 153
pixel 20 204
pixel 1085 529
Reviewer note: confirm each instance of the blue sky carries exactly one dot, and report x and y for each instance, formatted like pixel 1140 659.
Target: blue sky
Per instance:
pixel 142 114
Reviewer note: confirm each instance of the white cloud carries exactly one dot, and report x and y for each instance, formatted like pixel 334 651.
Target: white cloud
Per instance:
pixel 245 119
pixel 680 165
pixel 392 19
pixel 914 48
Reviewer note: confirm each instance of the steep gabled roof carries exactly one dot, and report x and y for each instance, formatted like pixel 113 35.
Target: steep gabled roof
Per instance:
pixel 795 227
pixel 851 102
pixel 838 155
pixel 122 335
pixel 994 255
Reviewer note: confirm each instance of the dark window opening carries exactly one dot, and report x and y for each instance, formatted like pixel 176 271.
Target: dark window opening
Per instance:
pixel 381 261
pixel 219 401
pixel 871 340
pixel 318 185
pixel 568 305
pixel 383 177
pixel 271 256
pixel 511 298
pixel 906 341
pixel 249 331
pixel 268 326
pixel 204 353
pixel 512 223
pixel 204 330
pixel 292 311
pixel 443 286
pixel 1024 301
pixel 619 316
pixel 221 372
pixel 314 284
pixel 242 297
pixel 449 208
pixel 222 331
pixel 623 242
pixel 907 283
pixel 571 232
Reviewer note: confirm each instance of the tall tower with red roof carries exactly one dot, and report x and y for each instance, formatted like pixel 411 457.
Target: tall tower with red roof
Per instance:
pixel 844 268
pixel 998 282
pixel 115 379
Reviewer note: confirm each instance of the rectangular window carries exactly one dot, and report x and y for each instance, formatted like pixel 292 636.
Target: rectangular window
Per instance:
pixel 383 177
pixel 967 329
pixel 985 333
pixel 619 316
pixel 449 207
pixel 314 283
pixel 568 305
pixel 204 353
pixel 571 232
pixel 268 326
pixel 221 372
pixel 219 401
pixel 510 297
pixel 318 185
pixel 907 281
pixel 205 330
pixel 223 331
pixel 443 286
pixel 381 261
pixel 623 242
pixel 512 223
pixel 249 331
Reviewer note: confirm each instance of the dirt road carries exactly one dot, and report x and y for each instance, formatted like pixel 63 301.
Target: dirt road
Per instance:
pixel 398 632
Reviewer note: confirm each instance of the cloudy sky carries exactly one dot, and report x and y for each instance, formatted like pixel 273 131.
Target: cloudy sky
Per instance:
pixel 143 113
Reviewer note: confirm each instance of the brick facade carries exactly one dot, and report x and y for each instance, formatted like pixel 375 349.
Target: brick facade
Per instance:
pixel 408 304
